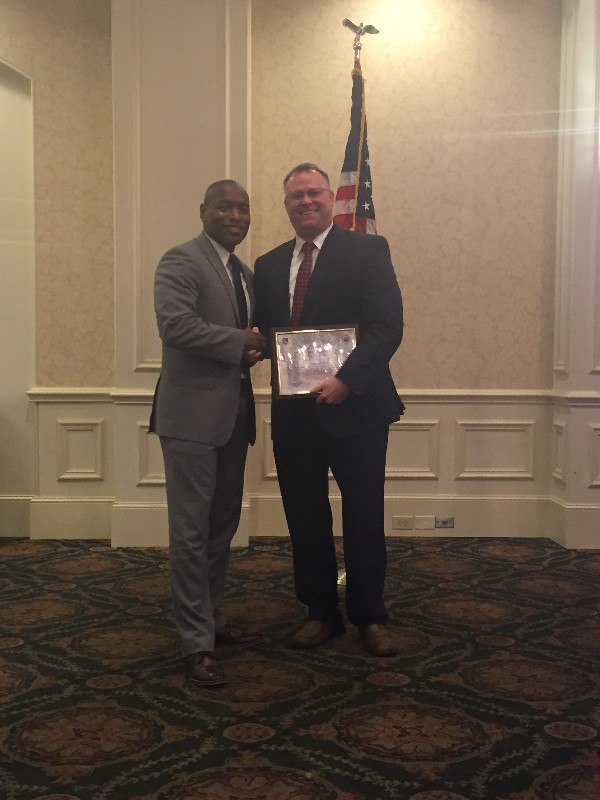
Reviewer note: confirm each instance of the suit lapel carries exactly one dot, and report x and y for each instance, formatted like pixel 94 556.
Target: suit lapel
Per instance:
pixel 249 278
pixel 327 255
pixel 282 278
pixel 220 270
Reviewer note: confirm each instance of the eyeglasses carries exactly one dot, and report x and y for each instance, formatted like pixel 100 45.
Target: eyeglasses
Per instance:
pixel 298 197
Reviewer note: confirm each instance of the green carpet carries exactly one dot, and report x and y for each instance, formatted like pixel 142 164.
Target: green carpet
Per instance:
pixel 494 694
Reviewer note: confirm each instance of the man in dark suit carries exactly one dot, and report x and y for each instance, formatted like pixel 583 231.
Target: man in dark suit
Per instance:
pixel 203 412
pixel 344 424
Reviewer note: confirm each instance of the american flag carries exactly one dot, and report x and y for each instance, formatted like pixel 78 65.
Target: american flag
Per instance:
pixel 354 198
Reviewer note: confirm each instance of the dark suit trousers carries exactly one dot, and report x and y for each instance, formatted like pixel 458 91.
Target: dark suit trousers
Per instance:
pixel 303 455
pixel 204 498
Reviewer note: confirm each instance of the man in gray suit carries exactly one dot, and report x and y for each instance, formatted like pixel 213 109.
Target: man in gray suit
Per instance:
pixel 203 411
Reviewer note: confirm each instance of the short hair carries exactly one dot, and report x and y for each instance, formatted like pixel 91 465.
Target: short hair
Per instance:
pixel 215 187
pixel 306 167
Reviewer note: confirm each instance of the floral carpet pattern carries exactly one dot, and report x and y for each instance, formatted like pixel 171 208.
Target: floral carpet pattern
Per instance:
pixel 494 693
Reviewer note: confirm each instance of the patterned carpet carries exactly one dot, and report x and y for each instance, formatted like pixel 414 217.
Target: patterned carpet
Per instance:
pixel 494 694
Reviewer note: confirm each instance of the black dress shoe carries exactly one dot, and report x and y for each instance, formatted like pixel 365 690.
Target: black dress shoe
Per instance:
pixel 377 640
pixel 237 637
pixel 315 632
pixel 203 670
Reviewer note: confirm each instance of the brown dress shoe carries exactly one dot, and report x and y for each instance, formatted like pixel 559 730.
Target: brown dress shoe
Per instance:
pixel 377 640
pixel 203 670
pixel 237 637
pixel 315 632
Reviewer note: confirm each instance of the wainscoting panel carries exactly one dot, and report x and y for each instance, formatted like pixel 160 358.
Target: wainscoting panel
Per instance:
pixel 594 455
pixel 80 450
pixel 150 463
pixel 75 443
pixel 497 449
pixel 559 451
pixel 498 463
pixel 414 450
pixel 75 463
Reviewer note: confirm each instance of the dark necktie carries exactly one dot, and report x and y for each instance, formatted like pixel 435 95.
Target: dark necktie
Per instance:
pixel 246 387
pixel 302 280
pixel 236 274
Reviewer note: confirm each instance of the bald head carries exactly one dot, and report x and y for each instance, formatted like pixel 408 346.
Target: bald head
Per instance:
pixel 215 189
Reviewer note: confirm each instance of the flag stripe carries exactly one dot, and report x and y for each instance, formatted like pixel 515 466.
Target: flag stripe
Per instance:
pixel 347 178
pixel 346 192
pixel 344 207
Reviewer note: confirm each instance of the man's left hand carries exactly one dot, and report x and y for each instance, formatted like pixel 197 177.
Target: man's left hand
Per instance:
pixel 331 390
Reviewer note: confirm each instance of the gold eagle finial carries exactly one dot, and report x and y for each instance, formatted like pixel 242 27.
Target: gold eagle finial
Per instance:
pixel 358 30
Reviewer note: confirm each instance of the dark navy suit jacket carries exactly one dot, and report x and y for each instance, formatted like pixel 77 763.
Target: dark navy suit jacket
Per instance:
pixel 353 283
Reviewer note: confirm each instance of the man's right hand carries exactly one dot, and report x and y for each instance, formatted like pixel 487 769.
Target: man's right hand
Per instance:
pixel 254 340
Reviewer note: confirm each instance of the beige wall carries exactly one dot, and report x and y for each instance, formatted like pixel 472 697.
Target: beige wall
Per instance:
pixel 64 47
pixel 463 100
pixel 462 103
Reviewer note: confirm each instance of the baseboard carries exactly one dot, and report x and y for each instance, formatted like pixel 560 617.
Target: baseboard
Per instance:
pixel 576 527
pixel 500 517
pixel 66 518
pixel 146 525
pixel 473 516
pixel 14 516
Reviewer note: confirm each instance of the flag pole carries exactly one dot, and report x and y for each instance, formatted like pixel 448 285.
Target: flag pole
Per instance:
pixel 342 196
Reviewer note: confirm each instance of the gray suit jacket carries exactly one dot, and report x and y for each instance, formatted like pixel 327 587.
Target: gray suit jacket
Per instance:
pixel 198 392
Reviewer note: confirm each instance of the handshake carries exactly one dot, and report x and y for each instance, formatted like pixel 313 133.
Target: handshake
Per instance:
pixel 255 346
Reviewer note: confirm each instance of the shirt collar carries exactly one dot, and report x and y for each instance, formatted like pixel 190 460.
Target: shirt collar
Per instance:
pixel 317 241
pixel 221 251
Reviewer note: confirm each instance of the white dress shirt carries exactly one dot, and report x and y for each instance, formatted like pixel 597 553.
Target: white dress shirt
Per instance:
pixel 224 256
pixel 297 257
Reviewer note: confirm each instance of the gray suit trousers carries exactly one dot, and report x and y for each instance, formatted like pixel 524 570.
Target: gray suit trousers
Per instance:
pixel 204 496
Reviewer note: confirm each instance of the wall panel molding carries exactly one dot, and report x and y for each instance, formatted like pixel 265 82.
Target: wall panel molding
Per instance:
pixel 144 395
pixel 496 461
pixel 69 394
pixel 150 467
pixel 161 59
pixel 564 243
pixel 414 450
pixel 495 450
pixel 594 455
pixel 79 449
pixel 269 470
pixel 559 451
pixel 577 288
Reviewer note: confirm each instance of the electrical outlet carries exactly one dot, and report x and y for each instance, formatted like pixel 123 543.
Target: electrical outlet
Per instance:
pixel 402 523
pixel 444 522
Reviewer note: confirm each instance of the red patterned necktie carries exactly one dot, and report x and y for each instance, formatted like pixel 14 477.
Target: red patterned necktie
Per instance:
pixel 302 280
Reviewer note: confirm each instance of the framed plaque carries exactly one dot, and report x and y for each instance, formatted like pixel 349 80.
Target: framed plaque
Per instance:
pixel 302 357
